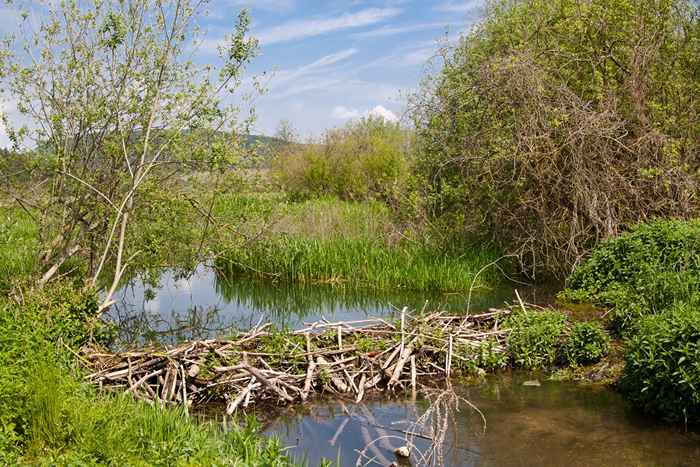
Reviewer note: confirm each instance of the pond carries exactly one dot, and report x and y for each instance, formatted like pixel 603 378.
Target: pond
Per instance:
pixel 550 424
pixel 198 304
pixel 542 423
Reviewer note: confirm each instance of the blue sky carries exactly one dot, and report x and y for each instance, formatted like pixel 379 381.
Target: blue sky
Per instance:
pixel 338 59
pixel 328 61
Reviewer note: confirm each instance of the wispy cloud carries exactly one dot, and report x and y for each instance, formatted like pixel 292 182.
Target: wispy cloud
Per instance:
pixel 340 112
pixel 320 65
pixel 470 6
pixel 392 31
pixel 269 5
pixel 300 29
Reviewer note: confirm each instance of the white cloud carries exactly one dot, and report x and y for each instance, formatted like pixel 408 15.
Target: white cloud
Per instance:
pixel 341 112
pixel 460 7
pixel 300 29
pixel 270 5
pixel 380 111
pixel 392 31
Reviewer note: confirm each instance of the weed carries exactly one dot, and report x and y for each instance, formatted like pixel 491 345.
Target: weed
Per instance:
pixel 662 365
pixel 587 343
pixel 534 339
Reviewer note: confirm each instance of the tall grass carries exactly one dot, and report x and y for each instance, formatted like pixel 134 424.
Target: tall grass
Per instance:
pixel 49 416
pixel 363 263
pixel 327 240
pixel 18 246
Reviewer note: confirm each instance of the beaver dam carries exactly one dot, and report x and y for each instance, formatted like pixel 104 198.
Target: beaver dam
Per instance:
pixel 262 365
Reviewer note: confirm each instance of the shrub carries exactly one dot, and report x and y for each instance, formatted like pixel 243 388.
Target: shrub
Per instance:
pixel 587 343
pixel 535 337
pixel 553 143
pixel 641 272
pixel 365 159
pixel 662 365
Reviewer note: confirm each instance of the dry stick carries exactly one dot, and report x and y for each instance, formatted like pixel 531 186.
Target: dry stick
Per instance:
pixel 398 368
pixel 448 362
pixel 339 431
pixel 269 384
pixel 338 382
pixel 361 389
pixel 520 300
pixel 413 376
pixel 241 396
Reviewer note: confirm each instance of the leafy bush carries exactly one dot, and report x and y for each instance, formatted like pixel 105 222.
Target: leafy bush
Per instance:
pixel 366 159
pixel 50 416
pixel 587 343
pixel 534 339
pixel 662 365
pixel 547 127
pixel 641 272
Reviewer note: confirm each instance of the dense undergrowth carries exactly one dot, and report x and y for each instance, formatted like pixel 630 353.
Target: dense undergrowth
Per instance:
pixel 650 278
pixel 358 244
pixel 49 416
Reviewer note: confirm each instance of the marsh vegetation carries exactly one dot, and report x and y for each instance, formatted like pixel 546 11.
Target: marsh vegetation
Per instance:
pixel 558 140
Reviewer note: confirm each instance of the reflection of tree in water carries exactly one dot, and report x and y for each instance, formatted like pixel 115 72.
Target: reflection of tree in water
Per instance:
pixel 137 328
pixel 217 303
pixel 279 299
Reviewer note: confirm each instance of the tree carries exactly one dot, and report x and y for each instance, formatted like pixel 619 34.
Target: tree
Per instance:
pixel 558 123
pixel 286 132
pixel 113 97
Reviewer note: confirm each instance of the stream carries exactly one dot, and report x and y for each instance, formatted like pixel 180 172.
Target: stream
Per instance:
pixel 529 420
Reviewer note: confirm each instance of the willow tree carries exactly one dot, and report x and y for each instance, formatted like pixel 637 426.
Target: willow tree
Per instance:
pixel 111 93
pixel 558 123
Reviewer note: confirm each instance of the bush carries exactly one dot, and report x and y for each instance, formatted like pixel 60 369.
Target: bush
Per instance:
pixel 587 343
pixel 366 159
pixel 662 365
pixel 50 416
pixel 641 272
pixel 553 142
pixel 534 339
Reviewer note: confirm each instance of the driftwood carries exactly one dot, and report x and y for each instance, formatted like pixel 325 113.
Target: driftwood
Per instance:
pixel 338 357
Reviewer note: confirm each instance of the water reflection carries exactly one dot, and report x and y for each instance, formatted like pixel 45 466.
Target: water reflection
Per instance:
pixel 555 424
pixel 176 305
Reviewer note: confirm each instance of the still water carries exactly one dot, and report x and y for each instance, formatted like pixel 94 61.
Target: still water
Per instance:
pixel 202 303
pixel 554 424
pixel 550 424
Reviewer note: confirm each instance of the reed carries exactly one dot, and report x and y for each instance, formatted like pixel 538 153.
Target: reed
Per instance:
pixel 18 246
pixel 363 262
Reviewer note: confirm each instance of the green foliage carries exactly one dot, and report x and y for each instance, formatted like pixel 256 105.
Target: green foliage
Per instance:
pixel 332 241
pixel 548 129
pixel 641 272
pixel 361 262
pixel 18 245
pixel 662 365
pixel 366 159
pixel 535 337
pixel 586 343
pixel 50 416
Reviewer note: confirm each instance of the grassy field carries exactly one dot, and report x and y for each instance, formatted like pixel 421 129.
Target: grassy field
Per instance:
pixel 339 242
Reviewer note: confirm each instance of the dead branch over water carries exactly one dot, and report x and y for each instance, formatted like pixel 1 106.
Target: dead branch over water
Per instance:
pixel 345 358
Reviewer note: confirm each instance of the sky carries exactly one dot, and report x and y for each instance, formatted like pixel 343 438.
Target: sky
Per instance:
pixel 325 62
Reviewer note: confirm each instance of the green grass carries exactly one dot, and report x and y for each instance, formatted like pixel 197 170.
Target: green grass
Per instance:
pixel 18 247
pixel 327 240
pixel 49 416
pixel 362 263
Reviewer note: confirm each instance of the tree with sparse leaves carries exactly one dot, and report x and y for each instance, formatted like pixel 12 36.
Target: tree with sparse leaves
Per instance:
pixel 113 101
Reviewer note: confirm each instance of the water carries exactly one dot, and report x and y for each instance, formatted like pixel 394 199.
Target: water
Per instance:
pixel 202 304
pixel 555 424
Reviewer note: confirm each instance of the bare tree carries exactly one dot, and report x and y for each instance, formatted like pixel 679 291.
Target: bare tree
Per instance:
pixel 113 95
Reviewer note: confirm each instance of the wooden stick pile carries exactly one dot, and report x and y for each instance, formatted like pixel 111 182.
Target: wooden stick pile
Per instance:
pixel 347 358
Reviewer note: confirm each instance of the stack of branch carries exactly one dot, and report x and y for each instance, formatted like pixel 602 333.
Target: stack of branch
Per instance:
pixel 322 357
